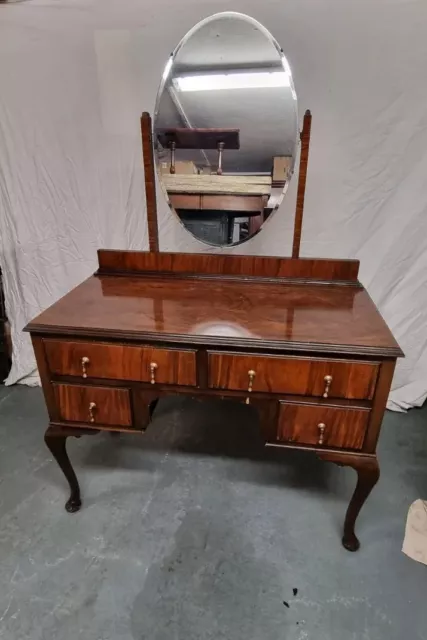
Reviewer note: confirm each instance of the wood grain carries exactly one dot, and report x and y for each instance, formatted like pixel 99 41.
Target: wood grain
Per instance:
pixel 305 376
pixel 368 473
pixel 331 319
pixel 132 262
pixel 150 181
pixel 112 405
pixel 121 362
pixel 302 179
pixel 43 369
pixel 344 427
pixel 206 320
pixel 382 391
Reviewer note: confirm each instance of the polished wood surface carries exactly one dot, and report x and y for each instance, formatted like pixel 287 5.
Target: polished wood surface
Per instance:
pixel 298 339
pixel 324 318
pixel 379 404
pixel 45 378
pixel 121 362
pixel 340 427
pixel 112 406
pixel 368 473
pixel 291 375
pixel 201 264
pixel 150 181
pixel 302 179
pixel 56 440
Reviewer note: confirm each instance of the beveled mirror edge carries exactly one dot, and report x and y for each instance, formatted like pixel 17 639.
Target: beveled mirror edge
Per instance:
pixel 166 70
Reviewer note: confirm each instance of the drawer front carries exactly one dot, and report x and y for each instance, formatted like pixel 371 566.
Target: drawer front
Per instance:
pixel 94 405
pixel 293 376
pixel 322 425
pixel 121 362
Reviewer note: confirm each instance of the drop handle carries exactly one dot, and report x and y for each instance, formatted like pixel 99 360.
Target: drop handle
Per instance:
pixel 321 426
pixel 85 362
pixel 251 376
pixel 92 409
pixel 153 367
pixel 328 382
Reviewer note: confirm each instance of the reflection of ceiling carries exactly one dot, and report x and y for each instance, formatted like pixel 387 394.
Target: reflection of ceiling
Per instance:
pixel 266 117
pixel 226 42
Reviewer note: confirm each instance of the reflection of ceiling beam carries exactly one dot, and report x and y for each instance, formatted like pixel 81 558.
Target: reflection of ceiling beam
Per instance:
pixel 185 120
pixel 198 68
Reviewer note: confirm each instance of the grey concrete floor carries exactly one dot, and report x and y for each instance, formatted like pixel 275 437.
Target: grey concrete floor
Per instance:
pixel 185 536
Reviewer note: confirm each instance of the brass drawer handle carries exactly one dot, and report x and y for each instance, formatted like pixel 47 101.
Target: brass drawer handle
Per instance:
pixel 85 362
pixel 251 374
pixel 328 382
pixel 321 426
pixel 153 367
pixel 92 409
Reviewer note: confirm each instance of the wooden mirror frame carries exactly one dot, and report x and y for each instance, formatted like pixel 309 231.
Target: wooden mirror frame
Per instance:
pixel 225 265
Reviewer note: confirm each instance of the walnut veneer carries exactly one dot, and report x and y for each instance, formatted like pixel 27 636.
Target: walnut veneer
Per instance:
pixel 299 339
pixel 318 353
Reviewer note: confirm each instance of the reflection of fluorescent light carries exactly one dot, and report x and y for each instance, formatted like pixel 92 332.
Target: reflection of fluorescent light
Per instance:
pixel 167 68
pixel 288 71
pixel 214 82
pixel 286 66
pixel 227 329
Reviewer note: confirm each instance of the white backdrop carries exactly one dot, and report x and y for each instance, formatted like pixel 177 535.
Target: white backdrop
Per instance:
pixel 74 78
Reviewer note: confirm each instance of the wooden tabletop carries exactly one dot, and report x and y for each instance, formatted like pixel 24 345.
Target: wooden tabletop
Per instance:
pixel 315 317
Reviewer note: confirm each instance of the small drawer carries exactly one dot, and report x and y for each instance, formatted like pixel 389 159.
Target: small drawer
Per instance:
pixel 322 425
pixel 319 377
pixel 94 405
pixel 121 362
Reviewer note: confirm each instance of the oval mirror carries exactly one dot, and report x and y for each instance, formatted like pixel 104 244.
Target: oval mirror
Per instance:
pixel 225 128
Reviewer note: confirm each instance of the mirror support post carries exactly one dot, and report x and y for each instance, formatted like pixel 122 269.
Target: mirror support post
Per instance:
pixel 150 182
pixel 302 178
pixel 220 150
pixel 172 146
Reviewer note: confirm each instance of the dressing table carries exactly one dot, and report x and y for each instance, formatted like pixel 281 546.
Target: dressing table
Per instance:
pixel 297 338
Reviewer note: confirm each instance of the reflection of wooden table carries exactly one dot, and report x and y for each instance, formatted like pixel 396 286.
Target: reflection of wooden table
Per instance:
pixel 198 206
pixel 233 195
pixel 234 205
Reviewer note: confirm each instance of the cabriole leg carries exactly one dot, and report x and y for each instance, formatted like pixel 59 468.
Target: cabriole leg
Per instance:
pixel 368 473
pixel 55 439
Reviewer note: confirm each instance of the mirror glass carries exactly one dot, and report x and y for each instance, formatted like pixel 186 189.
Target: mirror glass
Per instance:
pixel 225 128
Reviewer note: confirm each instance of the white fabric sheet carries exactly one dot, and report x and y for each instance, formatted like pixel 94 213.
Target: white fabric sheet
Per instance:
pixel 74 78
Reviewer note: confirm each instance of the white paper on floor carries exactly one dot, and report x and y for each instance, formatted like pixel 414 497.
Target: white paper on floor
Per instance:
pixel 415 542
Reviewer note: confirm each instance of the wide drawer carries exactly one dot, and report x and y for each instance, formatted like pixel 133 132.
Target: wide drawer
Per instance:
pixel 322 425
pixel 293 375
pixel 94 405
pixel 121 362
